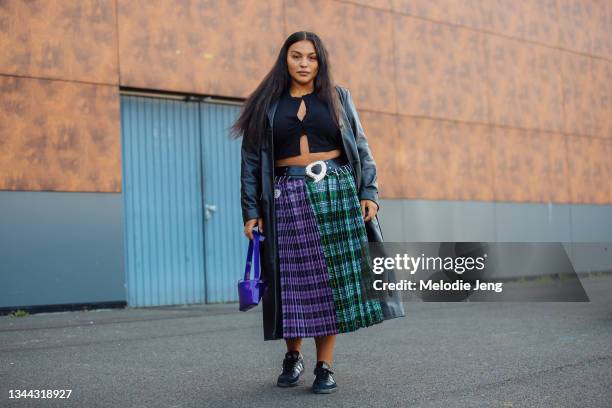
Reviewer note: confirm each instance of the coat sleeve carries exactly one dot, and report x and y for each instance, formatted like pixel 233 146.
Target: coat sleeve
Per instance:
pixel 369 178
pixel 250 181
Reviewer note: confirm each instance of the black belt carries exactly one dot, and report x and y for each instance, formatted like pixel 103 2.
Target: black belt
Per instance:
pixel 315 168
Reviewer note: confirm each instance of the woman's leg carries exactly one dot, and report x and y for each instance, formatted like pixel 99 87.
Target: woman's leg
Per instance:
pixel 325 348
pixel 294 344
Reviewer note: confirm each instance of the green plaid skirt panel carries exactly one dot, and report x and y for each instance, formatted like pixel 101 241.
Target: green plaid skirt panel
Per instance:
pixel 344 241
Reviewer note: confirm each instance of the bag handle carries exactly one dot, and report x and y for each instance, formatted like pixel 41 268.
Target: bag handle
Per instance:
pixel 253 252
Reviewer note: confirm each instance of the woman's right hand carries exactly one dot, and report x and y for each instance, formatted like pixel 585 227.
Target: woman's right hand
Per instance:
pixel 250 224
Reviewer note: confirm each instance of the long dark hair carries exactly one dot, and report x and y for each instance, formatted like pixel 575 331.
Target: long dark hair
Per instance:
pixel 252 122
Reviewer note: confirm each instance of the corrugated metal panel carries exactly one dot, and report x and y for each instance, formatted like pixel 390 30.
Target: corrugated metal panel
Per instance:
pixel 162 187
pixel 225 242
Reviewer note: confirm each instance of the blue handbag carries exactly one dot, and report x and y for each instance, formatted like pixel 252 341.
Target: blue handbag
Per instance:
pixel 250 291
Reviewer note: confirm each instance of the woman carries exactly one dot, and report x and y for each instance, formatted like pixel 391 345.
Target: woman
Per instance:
pixel 308 183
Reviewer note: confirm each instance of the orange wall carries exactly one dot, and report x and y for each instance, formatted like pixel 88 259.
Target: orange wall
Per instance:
pixel 460 99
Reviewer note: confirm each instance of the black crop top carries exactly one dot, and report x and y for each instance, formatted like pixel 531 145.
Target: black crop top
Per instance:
pixel 318 125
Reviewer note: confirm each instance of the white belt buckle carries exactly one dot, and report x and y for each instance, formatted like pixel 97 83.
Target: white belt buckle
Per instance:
pixel 317 177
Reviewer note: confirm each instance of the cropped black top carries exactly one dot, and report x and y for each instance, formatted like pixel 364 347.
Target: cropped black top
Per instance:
pixel 318 125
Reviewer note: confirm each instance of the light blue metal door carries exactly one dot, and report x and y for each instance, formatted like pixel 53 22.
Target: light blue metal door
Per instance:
pixel 225 243
pixel 162 189
pixel 181 185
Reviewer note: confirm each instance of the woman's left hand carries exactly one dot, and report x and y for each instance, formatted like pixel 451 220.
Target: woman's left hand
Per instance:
pixel 371 212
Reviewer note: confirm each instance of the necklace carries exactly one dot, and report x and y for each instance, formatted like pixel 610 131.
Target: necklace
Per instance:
pixel 298 97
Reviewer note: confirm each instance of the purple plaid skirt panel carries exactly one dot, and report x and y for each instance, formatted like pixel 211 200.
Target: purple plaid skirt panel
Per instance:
pixel 308 303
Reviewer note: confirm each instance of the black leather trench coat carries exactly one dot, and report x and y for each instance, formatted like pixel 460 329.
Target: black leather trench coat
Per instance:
pixel 257 200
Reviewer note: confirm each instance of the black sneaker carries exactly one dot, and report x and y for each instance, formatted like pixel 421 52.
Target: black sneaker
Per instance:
pixel 293 365
pixel 324 382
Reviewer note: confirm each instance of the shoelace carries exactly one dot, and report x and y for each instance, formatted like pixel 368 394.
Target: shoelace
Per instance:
pixel 289 363
pixel 324 371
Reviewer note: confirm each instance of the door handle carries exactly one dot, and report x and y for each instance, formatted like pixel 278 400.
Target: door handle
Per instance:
pixel 209 209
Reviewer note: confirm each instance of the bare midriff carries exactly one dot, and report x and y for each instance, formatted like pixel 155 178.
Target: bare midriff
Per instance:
pixel 306 156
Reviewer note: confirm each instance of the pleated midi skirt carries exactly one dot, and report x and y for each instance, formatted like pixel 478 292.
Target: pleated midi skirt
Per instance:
pixel 321 237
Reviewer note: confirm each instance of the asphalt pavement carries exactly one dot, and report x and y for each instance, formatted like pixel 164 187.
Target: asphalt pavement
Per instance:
pixel 468 354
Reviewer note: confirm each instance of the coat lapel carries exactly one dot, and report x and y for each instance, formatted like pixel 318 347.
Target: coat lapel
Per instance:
pixel 272 111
